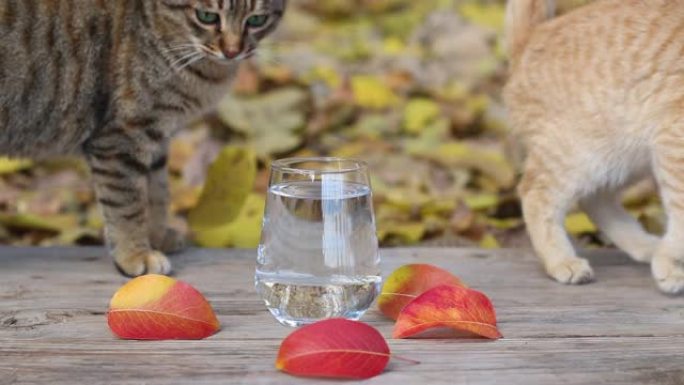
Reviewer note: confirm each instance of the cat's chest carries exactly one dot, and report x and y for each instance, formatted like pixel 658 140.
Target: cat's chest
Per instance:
pixel 184 97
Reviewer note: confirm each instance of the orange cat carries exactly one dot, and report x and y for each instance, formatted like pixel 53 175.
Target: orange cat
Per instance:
pixel 597 95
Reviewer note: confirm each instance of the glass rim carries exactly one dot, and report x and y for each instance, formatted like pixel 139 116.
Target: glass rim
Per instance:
pixel 286 165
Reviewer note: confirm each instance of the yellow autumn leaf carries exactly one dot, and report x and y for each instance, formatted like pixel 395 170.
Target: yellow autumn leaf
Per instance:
pixel 406 200
pixel 229 181
pixel 93 218
pixel 491 163
pixel 486 15
pixel 71 236
pixel 54 223
pixel 350 150
pixel 243 232
pixel 8 166
pixel 420 113
pixel 478 104
pixel 408 233
pixel 381 6
pixel 489 242
pixel 393 46
pixel 387 213
pixel 455 91
pixel 371 92
pixel 328 75
pixel 579 223
pixel 438 207
pixel 504 224
pixel 184 197
pixel 481 202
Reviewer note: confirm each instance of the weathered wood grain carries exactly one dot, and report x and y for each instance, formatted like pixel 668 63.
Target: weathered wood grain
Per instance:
pixel 620 330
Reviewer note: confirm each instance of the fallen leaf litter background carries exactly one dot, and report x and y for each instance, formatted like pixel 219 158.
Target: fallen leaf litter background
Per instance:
pixel 412 87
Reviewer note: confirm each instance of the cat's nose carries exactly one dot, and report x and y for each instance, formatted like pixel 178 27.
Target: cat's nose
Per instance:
pixel 231 53
pixel 231 45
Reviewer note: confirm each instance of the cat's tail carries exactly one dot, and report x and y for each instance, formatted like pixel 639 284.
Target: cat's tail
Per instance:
pixel 522 17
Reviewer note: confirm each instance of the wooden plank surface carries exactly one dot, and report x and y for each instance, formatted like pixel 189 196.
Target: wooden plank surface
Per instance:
pixel 619 330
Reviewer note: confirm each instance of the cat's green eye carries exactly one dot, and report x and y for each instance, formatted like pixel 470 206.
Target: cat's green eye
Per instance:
pixel 207 17
pixel 257 21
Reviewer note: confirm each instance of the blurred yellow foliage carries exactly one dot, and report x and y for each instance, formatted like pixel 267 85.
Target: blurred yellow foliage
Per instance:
pixel 579 223
pixel 8 166
pixel 420 113
pixel 371 92
pixel 489 242
pixel 486 15
pixel 406 233
pixel 229 182
pixel 243 232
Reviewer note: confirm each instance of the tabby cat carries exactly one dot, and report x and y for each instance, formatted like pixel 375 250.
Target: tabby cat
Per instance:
pixel 598 97
pixel 112 80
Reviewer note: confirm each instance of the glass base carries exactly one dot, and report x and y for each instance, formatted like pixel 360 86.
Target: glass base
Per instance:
pixel 295 322
pixel 296 303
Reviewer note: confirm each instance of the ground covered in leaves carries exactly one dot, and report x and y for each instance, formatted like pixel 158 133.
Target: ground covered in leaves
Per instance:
pixel 411 87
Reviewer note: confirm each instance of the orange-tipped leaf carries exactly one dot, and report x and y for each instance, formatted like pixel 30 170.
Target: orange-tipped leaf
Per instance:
pixel 446 306
pixel 408 282
pixel 155 307
pixel 334 348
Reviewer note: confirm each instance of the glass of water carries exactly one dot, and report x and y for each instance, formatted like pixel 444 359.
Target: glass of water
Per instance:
pixel 318 256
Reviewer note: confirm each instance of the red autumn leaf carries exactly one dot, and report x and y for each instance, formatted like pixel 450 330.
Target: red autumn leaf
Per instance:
pixel 335 348
pixel 155 307
pixel 408 282
pixel 452 307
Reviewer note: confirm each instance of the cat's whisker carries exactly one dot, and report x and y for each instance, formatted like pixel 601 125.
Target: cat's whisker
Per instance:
pixel 189 60
pixel 177 49
pixel 183 57
pixel 178 63
pixel 207 51
pixel 186 45
pixel 175 58
pixel 178 55
pixel 186 64
pixel 181 47
pixel 192 61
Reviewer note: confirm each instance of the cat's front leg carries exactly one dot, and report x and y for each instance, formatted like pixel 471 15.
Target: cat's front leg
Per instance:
pixel 162 237
pixel 668 262
pixel 546 198
pixel 121 169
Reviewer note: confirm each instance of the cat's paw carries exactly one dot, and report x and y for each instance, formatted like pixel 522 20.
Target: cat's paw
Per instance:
pixel 172 241
pixel 669 274
pixel 571 271
pixel 145 262
pixel 643 248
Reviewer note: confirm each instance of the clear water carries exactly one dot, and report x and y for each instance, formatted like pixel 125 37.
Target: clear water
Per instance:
pixel 318 256
pixel 295 303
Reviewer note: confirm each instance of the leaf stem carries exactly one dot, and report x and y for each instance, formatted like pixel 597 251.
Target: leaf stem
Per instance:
pixel 408 360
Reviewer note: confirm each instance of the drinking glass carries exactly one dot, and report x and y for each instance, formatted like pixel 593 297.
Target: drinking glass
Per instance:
pixel 318 256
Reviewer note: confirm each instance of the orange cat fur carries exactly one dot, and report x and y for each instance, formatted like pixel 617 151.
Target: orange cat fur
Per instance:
pixel 597 96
